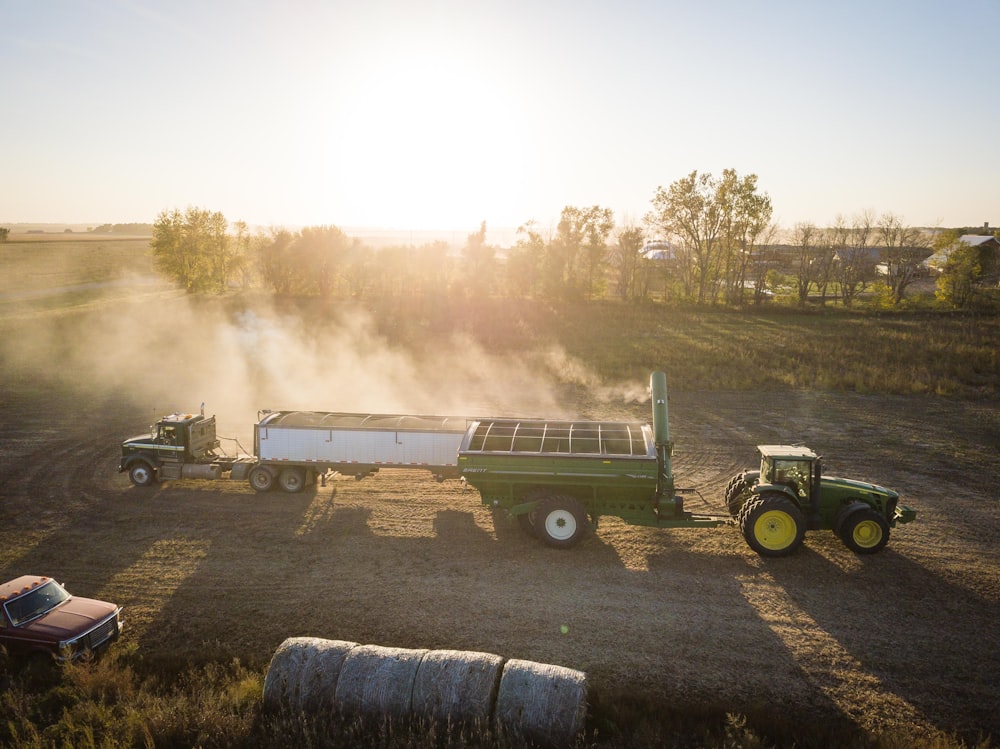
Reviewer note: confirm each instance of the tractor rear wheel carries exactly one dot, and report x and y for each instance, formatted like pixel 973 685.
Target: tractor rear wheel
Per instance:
pixel 864 532
pixel 736 487
pixel 772 525
pixel 561 521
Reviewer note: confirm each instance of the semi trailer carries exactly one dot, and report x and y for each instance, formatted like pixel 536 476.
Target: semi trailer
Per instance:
pixel 555 478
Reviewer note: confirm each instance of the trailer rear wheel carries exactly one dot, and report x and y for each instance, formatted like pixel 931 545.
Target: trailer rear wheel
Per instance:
pixel 292 480
pixel 864 532
pixel 772 525
pixel 261 479
pixel 561 521
pixel 141 473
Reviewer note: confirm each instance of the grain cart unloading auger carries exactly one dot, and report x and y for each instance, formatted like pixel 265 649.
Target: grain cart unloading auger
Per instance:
pixel 559 477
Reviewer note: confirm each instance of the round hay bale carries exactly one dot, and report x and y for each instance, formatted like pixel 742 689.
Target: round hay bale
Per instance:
pixel 540 702
pixel 377 681
pixel 456 686
pixel 303 672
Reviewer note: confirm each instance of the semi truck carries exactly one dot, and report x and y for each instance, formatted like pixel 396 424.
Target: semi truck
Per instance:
pixel 555 478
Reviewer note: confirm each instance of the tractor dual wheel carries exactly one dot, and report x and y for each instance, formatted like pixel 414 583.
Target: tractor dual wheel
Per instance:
pixel 864 531
pixel 772 525
pixel 142 473
pixel 561 521
pixel 735 489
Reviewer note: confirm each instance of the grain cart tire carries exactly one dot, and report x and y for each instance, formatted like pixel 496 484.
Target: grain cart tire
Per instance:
pixel 261 479
pixel 292 480
pixel 772 525
pixel 864 531
pixel 561 521
pixel 141 473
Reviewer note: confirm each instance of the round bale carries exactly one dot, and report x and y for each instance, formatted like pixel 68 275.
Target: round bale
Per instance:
pixel 540 702
pixel 303 672
pixel 456 686
pixel 377 681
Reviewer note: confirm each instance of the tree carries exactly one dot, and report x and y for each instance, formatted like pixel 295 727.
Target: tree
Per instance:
pixel 4 233
pixel 574 261
pixel 746 219
pixel 480 263
pixel 960 277
pixel 902 251
pixel 626 261
pixel 855 257
pixel 524 262
pixel 192 248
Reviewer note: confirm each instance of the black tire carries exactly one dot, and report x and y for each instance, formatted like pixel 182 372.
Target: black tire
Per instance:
pixel 736 488
pixel 864 532
pixel 561 521
pixel 142 473
pixel 261 479
pixel 292 480
pixel 772 525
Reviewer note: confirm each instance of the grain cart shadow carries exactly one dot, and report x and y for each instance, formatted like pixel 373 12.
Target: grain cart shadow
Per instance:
pixel 458 525
pixel 928 644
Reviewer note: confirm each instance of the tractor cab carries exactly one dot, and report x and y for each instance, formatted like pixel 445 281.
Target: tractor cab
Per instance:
pixel 791 466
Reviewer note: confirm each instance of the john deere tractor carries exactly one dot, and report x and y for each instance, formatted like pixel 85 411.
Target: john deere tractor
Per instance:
pixel 776 505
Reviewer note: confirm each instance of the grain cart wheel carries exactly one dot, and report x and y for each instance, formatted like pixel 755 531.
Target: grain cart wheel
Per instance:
pixel 261 479
pixel 292 480
pixel 561 521
pixel 772 525
pixel 141 473
pixel 864 532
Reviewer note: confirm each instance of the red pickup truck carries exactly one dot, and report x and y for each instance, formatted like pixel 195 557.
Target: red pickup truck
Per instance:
pixel 38 615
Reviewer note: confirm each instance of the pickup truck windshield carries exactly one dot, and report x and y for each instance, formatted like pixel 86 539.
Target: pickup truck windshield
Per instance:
pixel 32 605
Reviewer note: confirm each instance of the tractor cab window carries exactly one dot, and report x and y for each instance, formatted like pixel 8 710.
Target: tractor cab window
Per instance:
pixel 168 435
pixel 792 473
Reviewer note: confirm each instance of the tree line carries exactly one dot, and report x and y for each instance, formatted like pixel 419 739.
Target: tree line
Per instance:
pixel 716 245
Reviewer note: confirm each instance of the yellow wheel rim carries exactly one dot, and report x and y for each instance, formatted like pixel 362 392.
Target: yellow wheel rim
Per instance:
pixel 867 534
pixel 775 530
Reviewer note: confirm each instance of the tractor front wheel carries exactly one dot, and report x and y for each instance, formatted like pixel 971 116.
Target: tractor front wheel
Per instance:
pixel 561 521
pixel 772 525
pixel 864 532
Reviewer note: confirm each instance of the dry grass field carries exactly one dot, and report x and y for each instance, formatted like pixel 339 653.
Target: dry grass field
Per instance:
pixel 817 647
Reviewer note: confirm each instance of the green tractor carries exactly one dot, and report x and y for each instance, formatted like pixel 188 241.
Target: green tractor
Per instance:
pixel 776 505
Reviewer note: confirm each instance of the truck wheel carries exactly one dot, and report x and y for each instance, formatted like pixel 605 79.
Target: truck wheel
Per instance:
pixel 292 480
pixel 141 473
pixel 561 521
pixel 864 532
pixel 772 525
pixel 261 479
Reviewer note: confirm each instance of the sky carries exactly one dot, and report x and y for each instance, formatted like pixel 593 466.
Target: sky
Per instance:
pixel 441 114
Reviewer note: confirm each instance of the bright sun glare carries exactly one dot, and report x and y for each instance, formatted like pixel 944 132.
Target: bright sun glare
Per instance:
pixel 427 143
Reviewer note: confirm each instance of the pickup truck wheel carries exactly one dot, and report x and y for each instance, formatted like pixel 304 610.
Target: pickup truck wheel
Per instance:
pixel 292 480
pixel 865 532
pixel 141 473
pixel 561 521
pixel 772 525
pixel 261 479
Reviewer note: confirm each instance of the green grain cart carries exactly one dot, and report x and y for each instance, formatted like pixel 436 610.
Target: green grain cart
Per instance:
pixel 557 478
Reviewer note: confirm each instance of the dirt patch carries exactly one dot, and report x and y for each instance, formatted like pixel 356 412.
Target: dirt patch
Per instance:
pixel 687 617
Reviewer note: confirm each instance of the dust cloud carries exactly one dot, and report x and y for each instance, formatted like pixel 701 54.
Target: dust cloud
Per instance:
pixel 168 353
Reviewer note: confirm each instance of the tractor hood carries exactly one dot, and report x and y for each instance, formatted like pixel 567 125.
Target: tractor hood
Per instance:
pixel 139 440
pixel 836 481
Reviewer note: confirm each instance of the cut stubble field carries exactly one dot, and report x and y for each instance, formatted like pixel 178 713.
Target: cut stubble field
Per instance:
pixel 681 621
